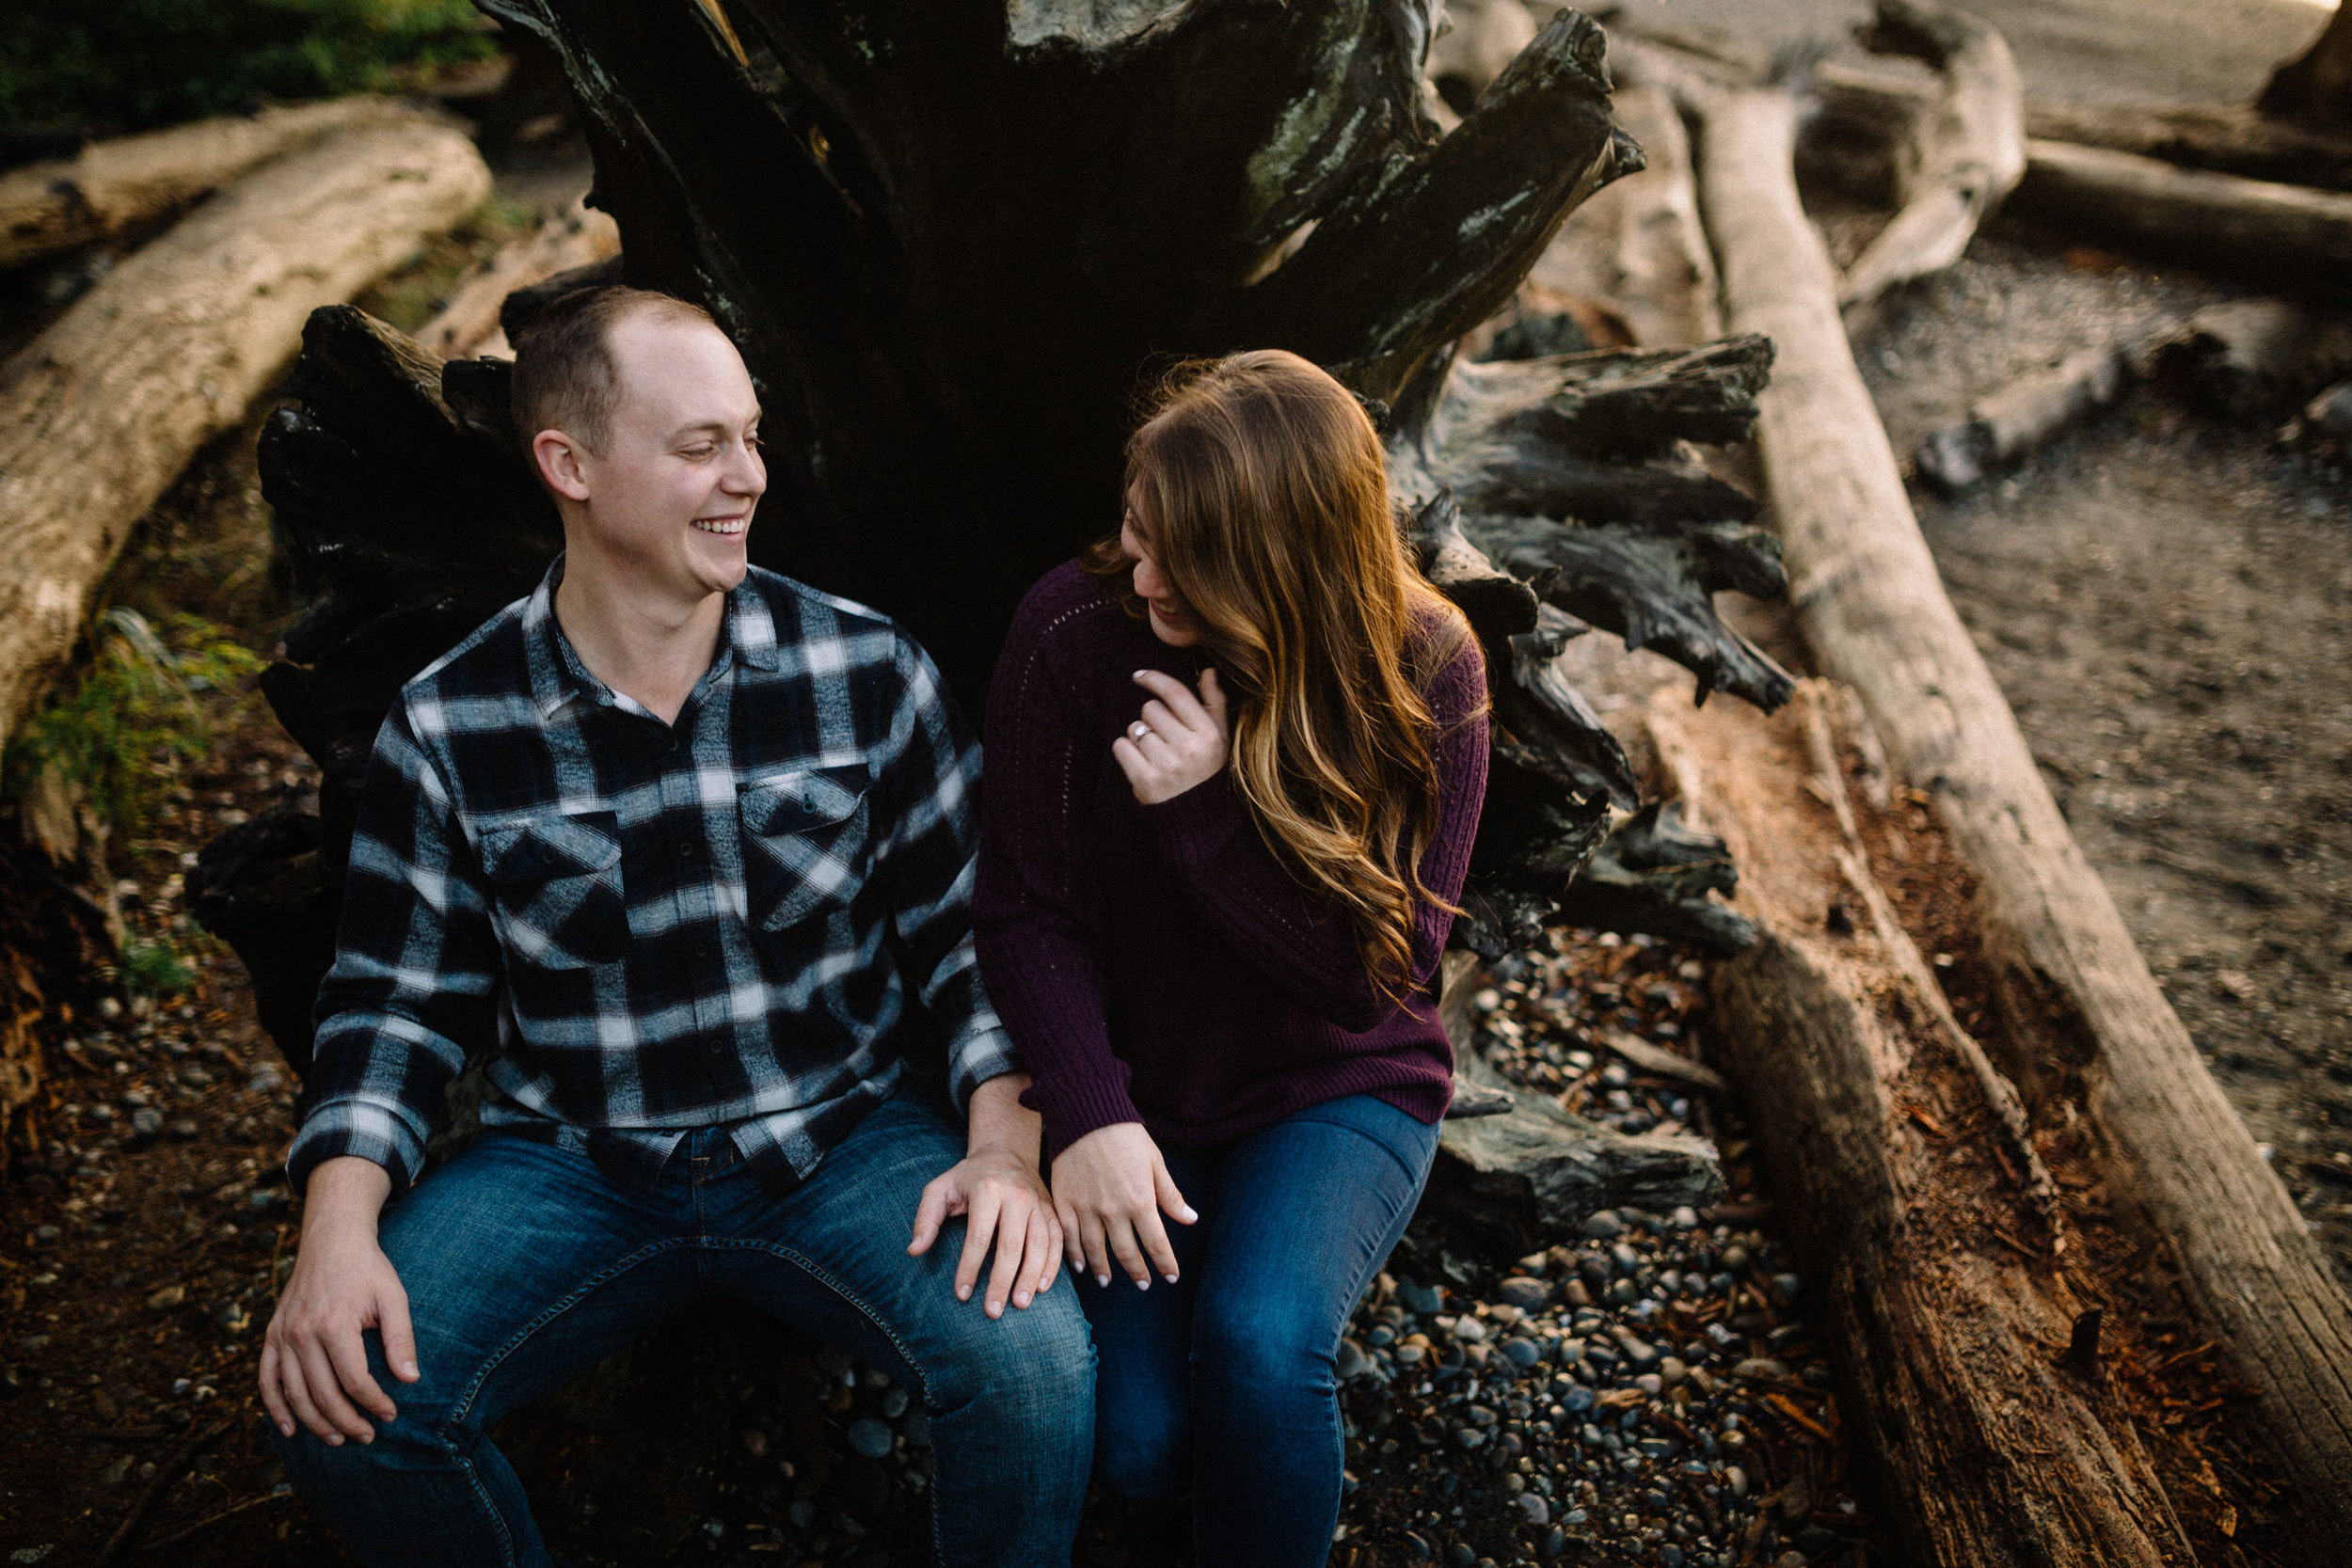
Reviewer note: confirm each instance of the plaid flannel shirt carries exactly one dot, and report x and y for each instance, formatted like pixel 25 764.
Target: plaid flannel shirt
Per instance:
pixel 663 927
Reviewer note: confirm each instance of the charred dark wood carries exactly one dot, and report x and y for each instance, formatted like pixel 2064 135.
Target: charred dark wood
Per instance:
pixel 1653 873
pixel 949 362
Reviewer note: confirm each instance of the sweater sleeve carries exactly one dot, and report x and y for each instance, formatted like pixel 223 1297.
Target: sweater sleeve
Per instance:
pixel 1309 954
pixel 1039 934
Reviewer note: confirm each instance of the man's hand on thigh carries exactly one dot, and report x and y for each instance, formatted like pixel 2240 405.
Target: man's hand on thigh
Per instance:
pixel 314 1362
pixel 998 1189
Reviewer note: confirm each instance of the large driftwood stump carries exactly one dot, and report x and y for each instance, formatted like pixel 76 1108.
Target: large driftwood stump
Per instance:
pixel 1874 614
pixel 99 413
pixel 953 244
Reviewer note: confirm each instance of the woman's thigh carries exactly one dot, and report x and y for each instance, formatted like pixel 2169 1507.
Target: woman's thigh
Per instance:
pixel 1305 1213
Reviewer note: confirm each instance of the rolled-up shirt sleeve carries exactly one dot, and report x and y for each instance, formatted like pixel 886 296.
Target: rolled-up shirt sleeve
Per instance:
pixel 417 967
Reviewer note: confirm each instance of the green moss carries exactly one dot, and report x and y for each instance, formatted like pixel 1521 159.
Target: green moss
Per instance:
pixel 145 703
pixel 142 63
pixel 156 968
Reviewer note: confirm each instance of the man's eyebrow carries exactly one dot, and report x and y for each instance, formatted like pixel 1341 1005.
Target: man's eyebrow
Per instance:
pixel 717 426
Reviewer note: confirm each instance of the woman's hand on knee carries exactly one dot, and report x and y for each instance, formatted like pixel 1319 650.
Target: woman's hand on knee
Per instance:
pixel 314 1360
pixel 1002 1197
pixel 1110 1188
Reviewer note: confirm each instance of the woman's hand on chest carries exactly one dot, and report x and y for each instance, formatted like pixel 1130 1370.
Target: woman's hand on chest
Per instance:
pixel 1177 741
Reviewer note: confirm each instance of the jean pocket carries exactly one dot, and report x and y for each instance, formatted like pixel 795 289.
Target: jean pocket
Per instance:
pixel 804 843
pixel 557 884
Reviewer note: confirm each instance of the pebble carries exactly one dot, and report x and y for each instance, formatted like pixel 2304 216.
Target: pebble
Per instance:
pixel 1351 1361
pixel 1420 1300
pixel 869 1438
pixel 1760 1366
pixel 1537 1512
pixel 1601 1225
pixel 1528 1295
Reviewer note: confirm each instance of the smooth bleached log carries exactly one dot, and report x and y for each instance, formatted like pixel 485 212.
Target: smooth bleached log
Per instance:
pixel 99 413
pixel 2284 236
pixel 468 322
pixel 125 184
pixel 1967 148
pixel 1875 616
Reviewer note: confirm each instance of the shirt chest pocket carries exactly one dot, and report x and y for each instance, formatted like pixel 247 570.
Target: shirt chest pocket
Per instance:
pixel 804 843
pixel 557 881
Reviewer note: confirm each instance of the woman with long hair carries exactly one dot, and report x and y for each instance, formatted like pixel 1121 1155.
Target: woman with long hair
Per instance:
pixel 1234 760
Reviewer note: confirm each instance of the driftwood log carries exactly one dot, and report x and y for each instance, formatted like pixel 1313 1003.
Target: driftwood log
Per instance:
pixel 1965 153
pixel 1874 615
pixel 1900 1157
pixel 101 412
pixel 468 322
pixel 948 365
pixel 2284 236
pixel 2004 425
pixel 113 186
pixel 2225 138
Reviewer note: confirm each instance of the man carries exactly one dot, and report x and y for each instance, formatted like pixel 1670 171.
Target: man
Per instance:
pixel 678 834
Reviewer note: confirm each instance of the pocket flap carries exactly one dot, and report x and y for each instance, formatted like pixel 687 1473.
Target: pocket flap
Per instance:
pixel 549 847
pixel 800 802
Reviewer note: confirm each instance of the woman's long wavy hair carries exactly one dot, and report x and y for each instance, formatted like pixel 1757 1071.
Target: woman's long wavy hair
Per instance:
pixel 1258 486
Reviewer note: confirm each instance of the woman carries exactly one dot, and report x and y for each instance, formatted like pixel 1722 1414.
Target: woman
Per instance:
pixel 1235 764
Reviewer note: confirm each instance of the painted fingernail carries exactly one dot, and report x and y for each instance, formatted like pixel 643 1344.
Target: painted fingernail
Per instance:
pixel 1170 1277
pixel 1143 1284
pixel 1104 1280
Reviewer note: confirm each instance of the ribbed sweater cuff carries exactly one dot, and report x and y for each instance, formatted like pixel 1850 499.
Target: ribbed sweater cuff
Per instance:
pixel 1072 1107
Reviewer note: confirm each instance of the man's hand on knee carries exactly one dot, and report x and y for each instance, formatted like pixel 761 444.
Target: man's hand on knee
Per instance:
pixel 998 1189
pixel 314 1363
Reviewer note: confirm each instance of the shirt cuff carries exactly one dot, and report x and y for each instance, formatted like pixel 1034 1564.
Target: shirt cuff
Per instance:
pixel 980 1053
pixel 1071 1108
pixel 372 1132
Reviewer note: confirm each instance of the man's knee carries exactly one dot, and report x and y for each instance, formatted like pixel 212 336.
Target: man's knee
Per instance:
pixel 1029 1372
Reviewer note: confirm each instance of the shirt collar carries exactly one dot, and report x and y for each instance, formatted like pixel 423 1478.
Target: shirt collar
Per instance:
pixel 747 633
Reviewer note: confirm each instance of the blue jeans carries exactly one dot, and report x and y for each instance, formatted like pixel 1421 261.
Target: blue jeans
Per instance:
pixel 1221 1385
pixel 525 1265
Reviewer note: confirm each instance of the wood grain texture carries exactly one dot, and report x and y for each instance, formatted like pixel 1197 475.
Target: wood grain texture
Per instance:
pixel 1993 1455
pixel 99 413
pixel 122 184
pixel 1874 614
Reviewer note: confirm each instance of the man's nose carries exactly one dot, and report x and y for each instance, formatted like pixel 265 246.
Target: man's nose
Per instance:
pixel 747 475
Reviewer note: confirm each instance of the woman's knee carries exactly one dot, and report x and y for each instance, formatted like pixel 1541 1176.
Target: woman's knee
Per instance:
pixel 1257 1350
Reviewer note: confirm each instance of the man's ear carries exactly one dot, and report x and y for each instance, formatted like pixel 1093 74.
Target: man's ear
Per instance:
pixel 561 464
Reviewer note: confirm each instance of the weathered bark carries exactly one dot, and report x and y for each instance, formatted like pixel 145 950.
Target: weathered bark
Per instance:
pixel 2225 138
pixel 2004 425
pixel 1875 615
pixel 2315 87
pixel 2326 422
pixel 1966 152
pixel 2284 236
pixel 114 186
pixel 101 412
pixel 468 322
pixel 1833 1032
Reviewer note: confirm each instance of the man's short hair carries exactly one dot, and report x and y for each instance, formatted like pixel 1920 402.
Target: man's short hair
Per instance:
pixel 565 379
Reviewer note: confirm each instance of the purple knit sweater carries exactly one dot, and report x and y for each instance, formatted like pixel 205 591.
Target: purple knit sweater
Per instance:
pixel 1157 963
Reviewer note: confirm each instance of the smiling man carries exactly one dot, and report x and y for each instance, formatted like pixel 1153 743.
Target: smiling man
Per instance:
pixel 677 836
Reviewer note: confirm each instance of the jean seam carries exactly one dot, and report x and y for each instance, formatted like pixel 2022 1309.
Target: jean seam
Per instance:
pixel 827 1279
pixel 463 1405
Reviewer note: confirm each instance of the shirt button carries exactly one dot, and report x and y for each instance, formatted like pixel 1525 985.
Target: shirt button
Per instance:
pixel 685 848
pixel 702 950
